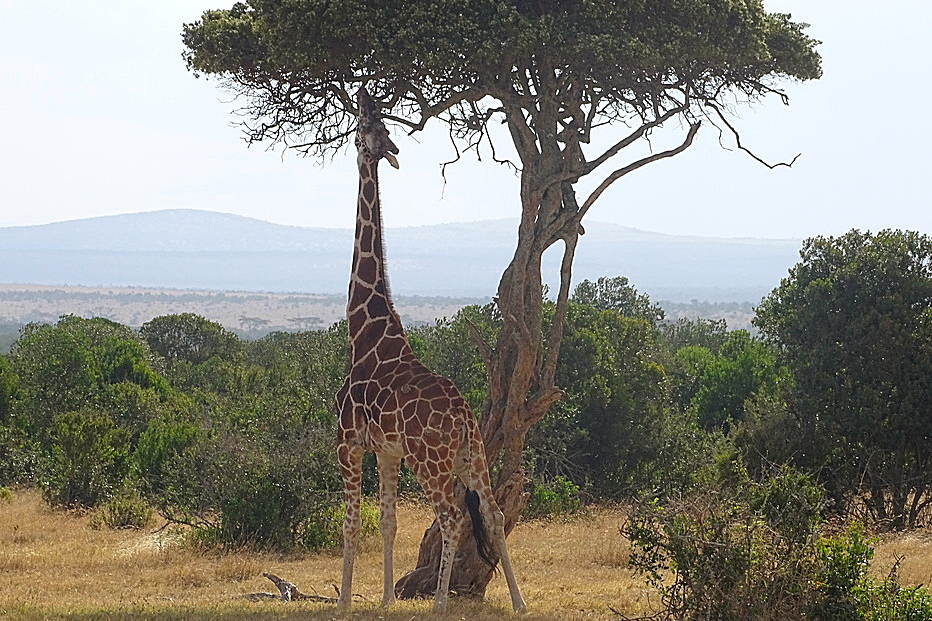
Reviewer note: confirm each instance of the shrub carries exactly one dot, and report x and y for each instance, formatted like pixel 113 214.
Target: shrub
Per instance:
pixel 559 497
pixel 324 527
pixel 843 589
pixel 122 511
pixel 89 459
pixel 239 487
pixel 19 457
pixel 886 600
pixel 158 455
pixel 6 495
pixel 735 549
pixel 741 550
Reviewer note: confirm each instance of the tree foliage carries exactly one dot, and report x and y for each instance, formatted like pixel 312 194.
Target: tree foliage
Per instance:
pixel 188 337
pixel 553 73
pixel 617 295
pixel 853 321
pixel 745 368
pixel 297 60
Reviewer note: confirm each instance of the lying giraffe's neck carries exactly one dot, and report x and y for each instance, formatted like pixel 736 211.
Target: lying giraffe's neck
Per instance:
pixel 369 310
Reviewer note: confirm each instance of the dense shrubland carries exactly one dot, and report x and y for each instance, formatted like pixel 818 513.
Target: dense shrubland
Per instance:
pixel 746 444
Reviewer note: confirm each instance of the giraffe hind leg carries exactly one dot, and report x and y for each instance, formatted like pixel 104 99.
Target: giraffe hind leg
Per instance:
pixel 479 530
pixel 438 487
pixel 494 521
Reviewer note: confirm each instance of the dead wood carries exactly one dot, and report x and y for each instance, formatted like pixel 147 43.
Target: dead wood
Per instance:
pixel 288 592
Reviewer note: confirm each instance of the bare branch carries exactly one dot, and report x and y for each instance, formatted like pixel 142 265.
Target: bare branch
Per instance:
pixel 734 132
pixel 632 137
pixel 484 348
pixel 570 239
pixel 621 172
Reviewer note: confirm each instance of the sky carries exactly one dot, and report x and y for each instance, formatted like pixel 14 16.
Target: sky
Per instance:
pixel 101 117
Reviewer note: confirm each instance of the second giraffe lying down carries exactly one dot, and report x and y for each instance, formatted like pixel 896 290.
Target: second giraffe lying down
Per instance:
pixel 393 405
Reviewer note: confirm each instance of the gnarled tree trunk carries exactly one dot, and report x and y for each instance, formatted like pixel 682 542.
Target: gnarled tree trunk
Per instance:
pixel 521 366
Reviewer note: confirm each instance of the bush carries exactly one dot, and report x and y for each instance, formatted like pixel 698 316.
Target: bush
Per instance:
pixel 735 549
pixel 886 600
pixel 89 459
pixel 742 550
pixel 239 487
pixel 556 498
pixel 19 457
pixel 324 528
pixel 123 511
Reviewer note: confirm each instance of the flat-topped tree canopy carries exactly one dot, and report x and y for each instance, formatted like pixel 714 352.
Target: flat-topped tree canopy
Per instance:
pixel 297 62
pixel 553 71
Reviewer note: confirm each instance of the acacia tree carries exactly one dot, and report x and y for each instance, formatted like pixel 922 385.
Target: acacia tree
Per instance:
pixel 553 72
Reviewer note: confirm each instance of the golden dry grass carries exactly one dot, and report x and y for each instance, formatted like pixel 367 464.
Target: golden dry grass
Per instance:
pixel 54 566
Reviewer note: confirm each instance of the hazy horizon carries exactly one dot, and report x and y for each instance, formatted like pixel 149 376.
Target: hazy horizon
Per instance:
pixel 107 120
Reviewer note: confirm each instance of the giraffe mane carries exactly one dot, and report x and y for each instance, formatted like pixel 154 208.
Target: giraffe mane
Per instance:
pixel 384 257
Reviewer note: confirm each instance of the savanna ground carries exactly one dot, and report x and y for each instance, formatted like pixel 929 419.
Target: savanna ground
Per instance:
pixel 53 565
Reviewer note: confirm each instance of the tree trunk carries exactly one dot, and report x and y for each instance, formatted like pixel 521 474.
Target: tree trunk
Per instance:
pixel 521 368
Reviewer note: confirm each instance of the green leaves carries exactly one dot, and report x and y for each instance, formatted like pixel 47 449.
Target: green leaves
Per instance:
pixel 296 62
pixel 851 320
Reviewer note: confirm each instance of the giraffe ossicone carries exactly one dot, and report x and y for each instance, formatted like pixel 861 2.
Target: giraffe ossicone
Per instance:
pixel 393 405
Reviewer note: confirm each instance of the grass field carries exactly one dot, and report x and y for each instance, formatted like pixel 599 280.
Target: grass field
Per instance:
pixel 54 566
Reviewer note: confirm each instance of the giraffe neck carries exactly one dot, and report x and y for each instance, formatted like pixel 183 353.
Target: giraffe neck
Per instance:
pixel 369 311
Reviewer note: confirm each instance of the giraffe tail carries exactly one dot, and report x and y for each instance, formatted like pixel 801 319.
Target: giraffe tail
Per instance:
pixel 483 544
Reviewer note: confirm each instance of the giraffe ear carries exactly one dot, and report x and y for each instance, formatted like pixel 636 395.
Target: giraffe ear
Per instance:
pixel 391 159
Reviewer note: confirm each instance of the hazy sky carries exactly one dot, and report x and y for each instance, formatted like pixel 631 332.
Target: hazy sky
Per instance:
pixel 100 117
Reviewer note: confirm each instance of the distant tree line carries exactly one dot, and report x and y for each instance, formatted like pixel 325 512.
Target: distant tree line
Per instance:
pixel 235 438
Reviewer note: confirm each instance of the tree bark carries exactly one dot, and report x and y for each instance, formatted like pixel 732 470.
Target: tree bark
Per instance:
pixel 522 363
pixel 521 375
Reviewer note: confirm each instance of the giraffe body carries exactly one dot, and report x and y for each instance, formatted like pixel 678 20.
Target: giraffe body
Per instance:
pixel 393 405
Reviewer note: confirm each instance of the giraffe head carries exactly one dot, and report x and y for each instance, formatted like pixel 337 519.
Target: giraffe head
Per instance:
pixel 372 137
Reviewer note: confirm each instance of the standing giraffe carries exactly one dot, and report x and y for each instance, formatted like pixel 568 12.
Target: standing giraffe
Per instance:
pixel 393 405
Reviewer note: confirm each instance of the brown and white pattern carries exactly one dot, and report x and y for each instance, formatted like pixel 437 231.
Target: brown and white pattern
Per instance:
pixel 393 405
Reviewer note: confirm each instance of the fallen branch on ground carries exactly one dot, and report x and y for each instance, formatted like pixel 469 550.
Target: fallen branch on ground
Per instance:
pixel 288 593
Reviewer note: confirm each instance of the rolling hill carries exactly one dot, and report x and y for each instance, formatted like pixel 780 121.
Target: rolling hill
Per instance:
pixel 191 249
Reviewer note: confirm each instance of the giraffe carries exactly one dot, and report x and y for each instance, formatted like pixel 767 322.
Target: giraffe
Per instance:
pixel 393 405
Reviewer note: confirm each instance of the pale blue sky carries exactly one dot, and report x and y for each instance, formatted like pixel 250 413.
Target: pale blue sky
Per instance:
pixel 101 117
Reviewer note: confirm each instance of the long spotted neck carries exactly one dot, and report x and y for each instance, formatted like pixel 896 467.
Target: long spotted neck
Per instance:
pixel 369 310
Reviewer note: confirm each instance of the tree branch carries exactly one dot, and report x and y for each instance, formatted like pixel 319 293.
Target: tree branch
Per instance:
pixel 734 132
pixel 630 138
pixel 621 172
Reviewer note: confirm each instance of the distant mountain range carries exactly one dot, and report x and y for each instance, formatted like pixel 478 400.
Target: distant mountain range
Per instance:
pixel 191 249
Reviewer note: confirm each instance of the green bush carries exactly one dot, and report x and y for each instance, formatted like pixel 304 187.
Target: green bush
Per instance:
pixel 844 590
pixel 556 498
pixel 6 495
pixel 734 548
pixel 239 487
pixel 122 511
pixel 89 459
pixel 324 527
pixel 744 550
pixel 887 600
pixel 20 456
pixel 158 456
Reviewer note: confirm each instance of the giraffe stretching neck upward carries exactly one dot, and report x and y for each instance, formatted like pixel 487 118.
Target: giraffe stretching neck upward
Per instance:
pixel 393 405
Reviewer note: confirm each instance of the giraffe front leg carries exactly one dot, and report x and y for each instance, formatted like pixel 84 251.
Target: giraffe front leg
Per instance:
pixel 350 459
pixel 388 523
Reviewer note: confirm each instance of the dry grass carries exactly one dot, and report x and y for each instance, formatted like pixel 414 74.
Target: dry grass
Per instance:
pixel 913 551
pixel 53 566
